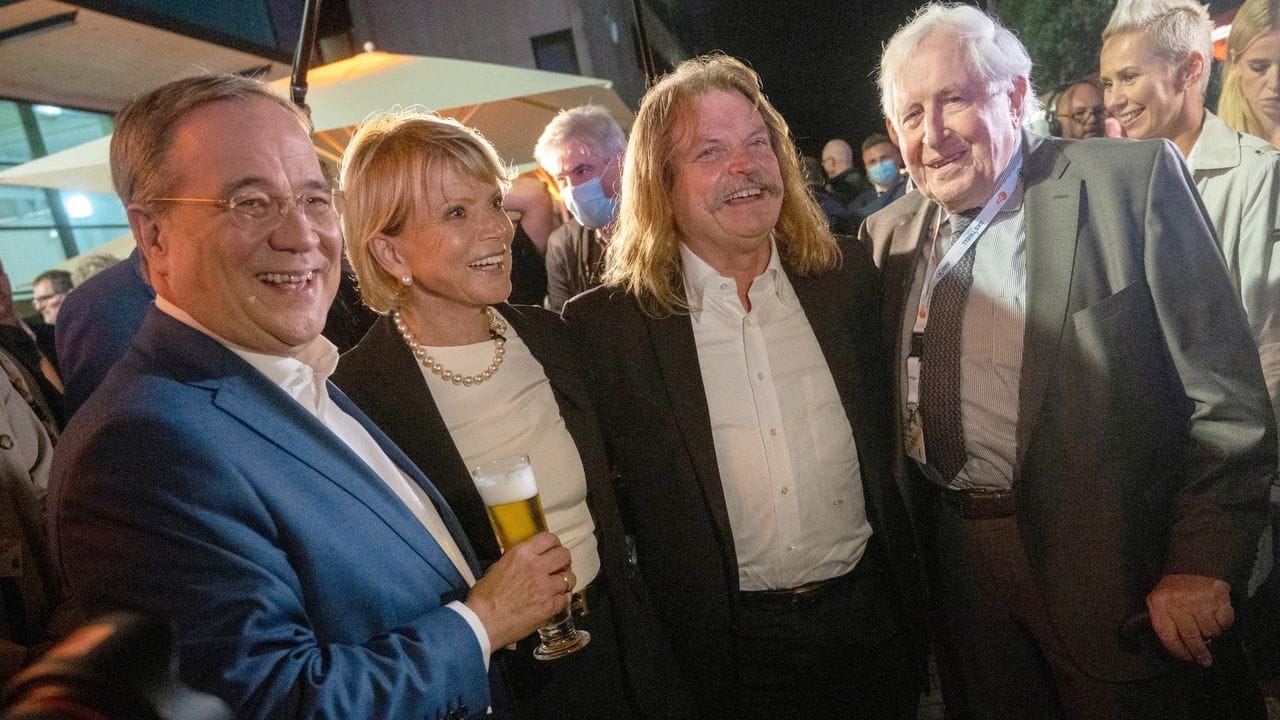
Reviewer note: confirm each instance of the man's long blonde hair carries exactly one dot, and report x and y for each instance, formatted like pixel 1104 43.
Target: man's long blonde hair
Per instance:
pixel 644 255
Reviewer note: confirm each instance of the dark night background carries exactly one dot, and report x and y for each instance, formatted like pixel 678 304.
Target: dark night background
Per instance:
pixel 817 59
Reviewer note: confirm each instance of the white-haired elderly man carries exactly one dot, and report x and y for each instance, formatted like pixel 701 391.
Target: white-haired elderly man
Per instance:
pixel 1087 445
pixel 582 148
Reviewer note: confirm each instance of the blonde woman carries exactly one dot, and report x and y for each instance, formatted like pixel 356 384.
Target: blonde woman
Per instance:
pixel 1250 100
pixel 459 378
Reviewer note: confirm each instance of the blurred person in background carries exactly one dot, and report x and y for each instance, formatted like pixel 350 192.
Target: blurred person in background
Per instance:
pixel 843 179
pixel 92 265
pixel 883 161
pixel 1080 111
pixel 1250 100
pixel 459 378
pixel 47 292
pixel 532 209
pixel 583 150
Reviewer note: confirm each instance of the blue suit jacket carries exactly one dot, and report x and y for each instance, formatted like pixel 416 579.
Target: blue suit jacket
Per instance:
pixel 193 488
pixel 96 324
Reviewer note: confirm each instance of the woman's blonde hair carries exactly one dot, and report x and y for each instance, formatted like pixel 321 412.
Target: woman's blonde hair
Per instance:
pixel 385 171
pixel 1254 19
pixel 644 255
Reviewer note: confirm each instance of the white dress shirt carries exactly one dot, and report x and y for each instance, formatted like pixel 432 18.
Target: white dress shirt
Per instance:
pixel 784 447
pixel 305 379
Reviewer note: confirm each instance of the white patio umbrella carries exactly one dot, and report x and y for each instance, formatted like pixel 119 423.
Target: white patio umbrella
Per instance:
pixel 510 106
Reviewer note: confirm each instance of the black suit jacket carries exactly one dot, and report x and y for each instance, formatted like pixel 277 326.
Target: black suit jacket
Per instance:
pixel 382 377
pixel 647 385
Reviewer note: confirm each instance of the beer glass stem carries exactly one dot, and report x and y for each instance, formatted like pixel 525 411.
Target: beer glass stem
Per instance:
pixel 559 637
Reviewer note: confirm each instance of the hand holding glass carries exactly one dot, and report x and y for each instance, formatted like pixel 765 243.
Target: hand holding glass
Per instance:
pixel 510 496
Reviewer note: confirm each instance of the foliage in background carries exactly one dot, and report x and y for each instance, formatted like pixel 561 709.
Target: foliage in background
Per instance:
pixel 1063 36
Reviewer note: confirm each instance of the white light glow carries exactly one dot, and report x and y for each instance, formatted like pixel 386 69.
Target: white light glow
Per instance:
pixel 50 110
pixel 78 206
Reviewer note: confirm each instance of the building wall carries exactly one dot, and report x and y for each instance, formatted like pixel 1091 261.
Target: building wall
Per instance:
pixel 500 32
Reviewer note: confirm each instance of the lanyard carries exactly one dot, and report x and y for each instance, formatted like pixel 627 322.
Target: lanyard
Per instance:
pixel 970 235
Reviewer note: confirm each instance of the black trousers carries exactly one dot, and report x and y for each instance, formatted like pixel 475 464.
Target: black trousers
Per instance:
pixel 589 684
pixel 841 654
pixel 1003 657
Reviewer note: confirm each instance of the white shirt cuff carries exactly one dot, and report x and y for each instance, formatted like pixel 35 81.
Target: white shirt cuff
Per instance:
pixel 482 635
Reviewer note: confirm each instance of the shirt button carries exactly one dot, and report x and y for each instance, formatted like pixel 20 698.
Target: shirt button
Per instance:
pixel 724 286
pixel 791 547
pixel 784 491
pixel 759 376
pixel 773 431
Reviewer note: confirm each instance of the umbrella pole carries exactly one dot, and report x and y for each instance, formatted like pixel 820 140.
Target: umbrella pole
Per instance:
pixel 647 63
pixel 302 56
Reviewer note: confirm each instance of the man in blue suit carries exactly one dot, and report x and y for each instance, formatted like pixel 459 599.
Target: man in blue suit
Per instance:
pixel 217 480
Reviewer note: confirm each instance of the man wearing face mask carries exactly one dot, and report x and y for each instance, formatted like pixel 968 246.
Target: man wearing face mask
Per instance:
pixel 582 149
pixel 883 162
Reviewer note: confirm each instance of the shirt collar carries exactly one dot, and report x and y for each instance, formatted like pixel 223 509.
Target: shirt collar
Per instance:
pixel 700 278
pixel 295 375
pixel 1217 147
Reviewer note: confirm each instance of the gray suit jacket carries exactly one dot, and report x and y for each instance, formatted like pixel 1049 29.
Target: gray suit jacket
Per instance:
pixel 1145 441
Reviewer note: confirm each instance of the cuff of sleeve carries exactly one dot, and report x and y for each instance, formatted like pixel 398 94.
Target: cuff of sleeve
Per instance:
pixel 477 628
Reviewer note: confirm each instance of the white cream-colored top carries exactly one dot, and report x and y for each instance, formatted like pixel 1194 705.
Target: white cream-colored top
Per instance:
pixel 515 413
pixel 784 447
pixel 305 379
pixel 1238 177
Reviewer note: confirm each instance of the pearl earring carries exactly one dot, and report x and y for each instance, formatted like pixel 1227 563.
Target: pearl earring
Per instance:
pixel 407 280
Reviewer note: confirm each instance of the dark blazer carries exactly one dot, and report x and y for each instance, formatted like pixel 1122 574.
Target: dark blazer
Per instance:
pixel 1145 441
pixel 97 321
pixel 194 489
pixel 647 386
pixel 382 377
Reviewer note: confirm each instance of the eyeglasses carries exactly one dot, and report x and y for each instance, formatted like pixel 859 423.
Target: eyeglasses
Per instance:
pixel 39 300
pixel 262 213
pixel 1083 114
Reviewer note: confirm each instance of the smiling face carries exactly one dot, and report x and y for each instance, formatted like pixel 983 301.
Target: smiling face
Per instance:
pixel 265 291
pixel 727 193
pixel 1143 91
pixel 1258 68
pixel 455 245
pixel 956 134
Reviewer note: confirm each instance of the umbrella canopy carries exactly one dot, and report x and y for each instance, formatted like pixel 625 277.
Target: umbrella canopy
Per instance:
pixel 510 106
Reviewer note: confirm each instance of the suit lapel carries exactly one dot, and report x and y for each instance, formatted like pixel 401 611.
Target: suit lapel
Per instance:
pixel 411 470
pixel 246 394
pixel 677 357
pixel 1051 221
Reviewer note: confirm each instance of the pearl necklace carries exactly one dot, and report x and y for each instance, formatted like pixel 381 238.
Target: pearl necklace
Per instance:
pixel 497 328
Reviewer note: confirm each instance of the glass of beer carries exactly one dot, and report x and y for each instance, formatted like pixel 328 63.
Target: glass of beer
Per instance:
pixel 511 497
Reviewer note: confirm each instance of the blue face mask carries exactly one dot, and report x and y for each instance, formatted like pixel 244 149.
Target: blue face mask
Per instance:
pixel 884 172
pixel 589 205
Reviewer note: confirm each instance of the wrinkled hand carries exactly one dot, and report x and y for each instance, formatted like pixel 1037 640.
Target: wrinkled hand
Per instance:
pixel 1188 610
pixel 529 583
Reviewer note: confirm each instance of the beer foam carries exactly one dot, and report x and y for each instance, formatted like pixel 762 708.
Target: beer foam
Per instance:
pixel 500 488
